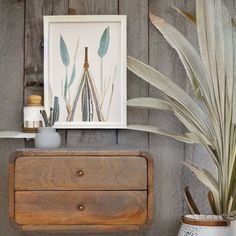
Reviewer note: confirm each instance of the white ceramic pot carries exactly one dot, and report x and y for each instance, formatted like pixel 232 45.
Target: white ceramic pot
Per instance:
pixel 233 227
pixel 47 137
pixel 201 225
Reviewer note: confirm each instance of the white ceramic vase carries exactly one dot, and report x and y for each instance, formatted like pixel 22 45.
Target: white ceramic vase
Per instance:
pixel 47 137
pixel 233 227
pixel 201 225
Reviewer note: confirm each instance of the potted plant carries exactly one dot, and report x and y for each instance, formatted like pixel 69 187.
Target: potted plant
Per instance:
pixel 47 137
pixel 210 116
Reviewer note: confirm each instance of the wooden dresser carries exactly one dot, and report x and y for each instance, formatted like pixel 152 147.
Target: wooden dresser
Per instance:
pixel 88 191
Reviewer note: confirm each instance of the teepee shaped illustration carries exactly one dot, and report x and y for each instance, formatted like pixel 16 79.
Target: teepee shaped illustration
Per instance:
pixel 87 91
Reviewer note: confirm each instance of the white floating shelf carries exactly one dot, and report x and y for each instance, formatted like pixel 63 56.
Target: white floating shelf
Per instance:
pixel 14 134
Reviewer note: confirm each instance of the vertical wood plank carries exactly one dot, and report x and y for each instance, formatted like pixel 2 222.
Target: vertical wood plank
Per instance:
pixel 94 7
pixel 34 40
pixel 167 152
pixel 137 47
pixel 33 48
pixel 11 94
pixel 6 148
pixel 11 64
pixel 92 138
pixel 35 9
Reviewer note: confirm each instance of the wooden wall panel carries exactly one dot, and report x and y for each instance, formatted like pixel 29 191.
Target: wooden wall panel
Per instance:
pixel 34 11
pixel 137 47
pixel 6 148
pixel 11 94
pixel 167 152
pixel 21 71
pixel 33 76
pixel 11 64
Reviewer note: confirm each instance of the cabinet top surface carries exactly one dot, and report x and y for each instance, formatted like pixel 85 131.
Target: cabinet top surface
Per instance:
pixel 77 152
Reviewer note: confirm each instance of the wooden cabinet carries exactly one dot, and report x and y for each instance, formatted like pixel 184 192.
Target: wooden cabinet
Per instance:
pixel 80 190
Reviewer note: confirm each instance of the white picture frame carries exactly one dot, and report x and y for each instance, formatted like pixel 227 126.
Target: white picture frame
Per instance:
pixel 92 93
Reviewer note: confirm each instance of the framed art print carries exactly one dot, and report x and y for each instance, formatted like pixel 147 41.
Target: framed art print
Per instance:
pixel 85 70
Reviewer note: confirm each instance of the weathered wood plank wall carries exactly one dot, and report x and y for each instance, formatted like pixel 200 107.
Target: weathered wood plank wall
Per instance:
pixel 21 74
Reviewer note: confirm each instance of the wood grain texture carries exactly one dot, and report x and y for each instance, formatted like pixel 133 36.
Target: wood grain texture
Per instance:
pixel 137 46
pixel 11 95
pixel 11 64
pixel 33 68
pixel 81 173
pixel 34 12
pixel 85 207
pixel 94 7
pixel 130 208
pixel 98 230
pixel 168 153
pixel 6 148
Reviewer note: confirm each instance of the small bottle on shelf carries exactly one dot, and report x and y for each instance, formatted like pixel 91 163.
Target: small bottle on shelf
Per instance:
pixel 32 116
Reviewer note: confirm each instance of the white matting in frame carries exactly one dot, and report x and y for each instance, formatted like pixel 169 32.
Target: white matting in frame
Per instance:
pixel 85 70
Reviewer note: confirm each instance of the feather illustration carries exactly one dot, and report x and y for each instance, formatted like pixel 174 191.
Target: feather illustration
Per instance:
pixel 66 84
pixel 104 42
pixel 64 52
pixel 103 47
pixel 87 89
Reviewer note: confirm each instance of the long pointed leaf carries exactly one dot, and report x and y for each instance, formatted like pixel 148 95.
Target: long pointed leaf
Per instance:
pixel 173 91
pixel 212 202
pixel 234 86
pixel 194 67
pixel 104 42
pixel 207 179
pixel 187 15
pixel 64 52
pixel 151 103
pixel 157 130
pixel 56 109
pixel 190 202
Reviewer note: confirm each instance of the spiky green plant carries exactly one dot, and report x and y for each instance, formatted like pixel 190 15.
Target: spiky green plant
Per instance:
pixel 210 120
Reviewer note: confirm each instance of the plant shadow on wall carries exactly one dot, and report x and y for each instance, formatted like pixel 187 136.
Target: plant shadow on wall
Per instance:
pixel 86 97
pixel 211 115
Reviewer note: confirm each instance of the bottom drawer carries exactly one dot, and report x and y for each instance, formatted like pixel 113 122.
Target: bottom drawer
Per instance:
pixel 80 207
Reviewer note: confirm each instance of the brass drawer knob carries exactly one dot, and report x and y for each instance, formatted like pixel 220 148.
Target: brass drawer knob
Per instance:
pixel 80 207
pixel 80 173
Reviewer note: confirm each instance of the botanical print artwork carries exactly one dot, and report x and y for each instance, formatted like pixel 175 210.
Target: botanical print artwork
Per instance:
pixel 86 74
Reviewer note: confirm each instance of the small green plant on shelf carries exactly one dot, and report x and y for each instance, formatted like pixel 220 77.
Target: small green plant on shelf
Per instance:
pixel 53 117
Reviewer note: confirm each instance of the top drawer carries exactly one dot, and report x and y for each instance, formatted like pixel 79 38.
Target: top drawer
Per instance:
pixel 80 172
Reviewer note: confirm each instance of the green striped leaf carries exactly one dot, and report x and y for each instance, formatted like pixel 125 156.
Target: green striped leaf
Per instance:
pixel 64 52
pixel 104 42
